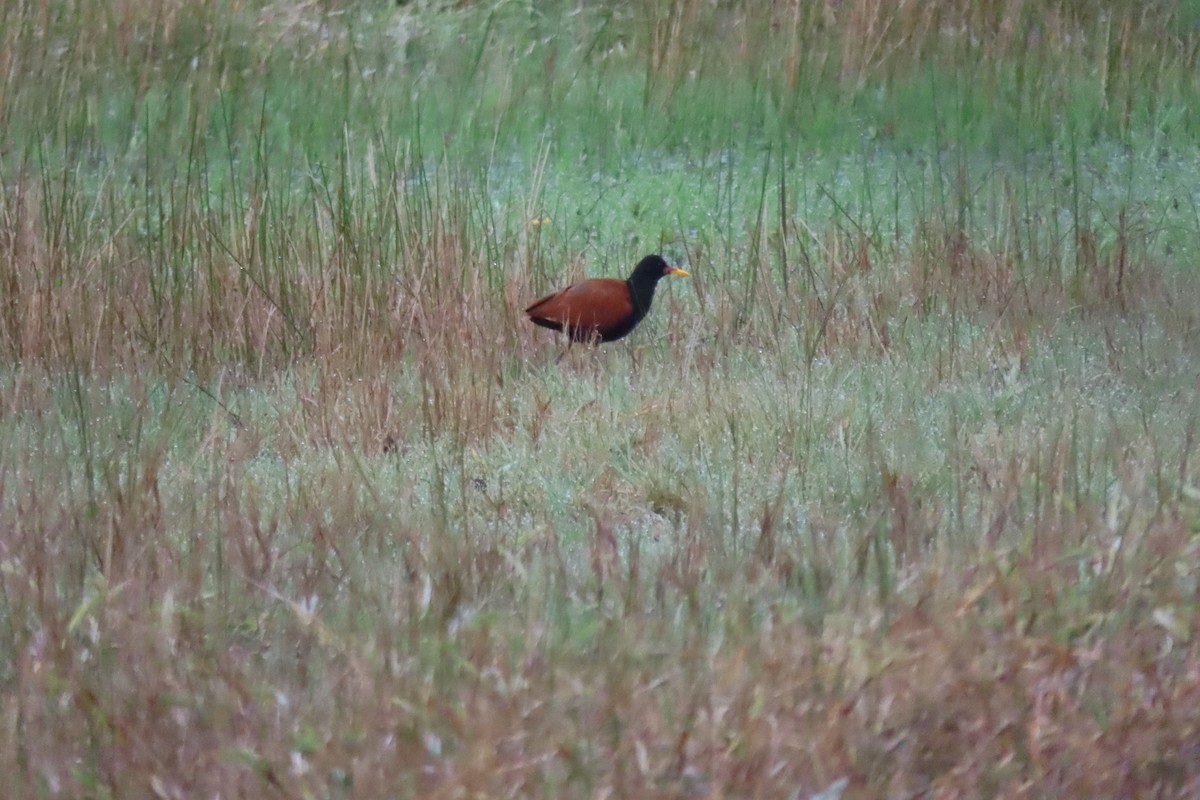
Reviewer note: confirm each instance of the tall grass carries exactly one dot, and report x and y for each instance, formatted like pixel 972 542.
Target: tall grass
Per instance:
pixel 896 497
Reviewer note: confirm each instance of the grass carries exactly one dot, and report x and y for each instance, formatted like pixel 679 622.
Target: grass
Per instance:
pixel 894 497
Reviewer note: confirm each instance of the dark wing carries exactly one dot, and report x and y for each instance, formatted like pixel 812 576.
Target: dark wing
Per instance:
pixel 596 306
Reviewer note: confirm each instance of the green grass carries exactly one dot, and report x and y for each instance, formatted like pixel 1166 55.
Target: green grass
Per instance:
pixel 894 497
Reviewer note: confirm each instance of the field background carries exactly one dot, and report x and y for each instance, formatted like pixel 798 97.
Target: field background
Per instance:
pixel 897 496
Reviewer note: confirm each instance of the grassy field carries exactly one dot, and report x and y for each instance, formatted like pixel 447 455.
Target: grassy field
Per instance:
pixel 897 496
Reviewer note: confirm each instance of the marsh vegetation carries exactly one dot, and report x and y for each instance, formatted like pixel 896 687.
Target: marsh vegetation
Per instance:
pixel 896 496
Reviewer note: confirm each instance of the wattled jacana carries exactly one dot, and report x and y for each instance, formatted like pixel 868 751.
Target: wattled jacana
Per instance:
pixel 602 309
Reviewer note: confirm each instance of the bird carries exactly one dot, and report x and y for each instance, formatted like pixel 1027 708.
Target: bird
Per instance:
pixel 603 309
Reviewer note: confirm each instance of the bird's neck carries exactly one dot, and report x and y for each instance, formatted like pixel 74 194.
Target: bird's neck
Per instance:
pixel 641 295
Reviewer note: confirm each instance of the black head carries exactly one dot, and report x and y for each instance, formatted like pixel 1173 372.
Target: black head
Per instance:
pixel 651 269
pixel 646 275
